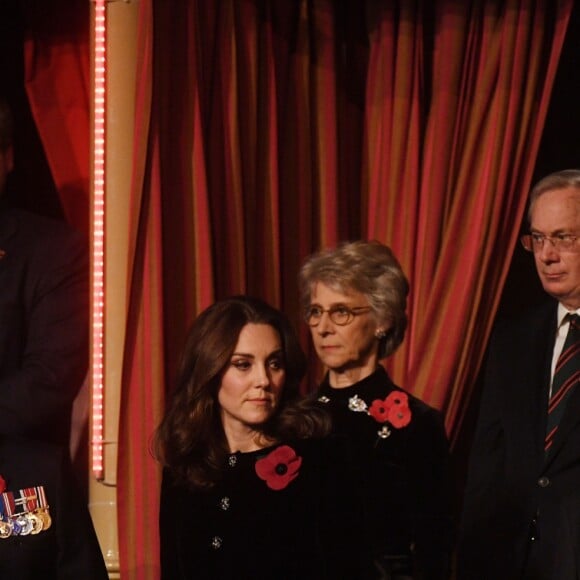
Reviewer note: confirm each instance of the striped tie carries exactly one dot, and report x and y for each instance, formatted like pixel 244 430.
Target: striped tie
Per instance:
pixel 566 375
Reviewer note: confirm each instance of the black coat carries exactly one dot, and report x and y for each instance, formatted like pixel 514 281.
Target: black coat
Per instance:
pixel 243 530
pixel 521 515
pixel 405 478
pixel 44 315
pixel 68 549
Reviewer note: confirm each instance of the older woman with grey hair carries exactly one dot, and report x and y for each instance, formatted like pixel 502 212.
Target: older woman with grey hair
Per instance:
pixel 354 299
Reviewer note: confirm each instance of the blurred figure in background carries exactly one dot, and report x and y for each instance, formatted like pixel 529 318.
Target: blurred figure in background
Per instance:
pixel 45 527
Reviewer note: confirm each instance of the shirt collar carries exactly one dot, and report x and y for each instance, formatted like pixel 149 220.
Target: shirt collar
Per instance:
pixel 562 311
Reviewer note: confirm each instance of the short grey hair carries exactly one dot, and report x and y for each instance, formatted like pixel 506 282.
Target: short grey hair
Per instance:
pixel 370 268
pixel 558 180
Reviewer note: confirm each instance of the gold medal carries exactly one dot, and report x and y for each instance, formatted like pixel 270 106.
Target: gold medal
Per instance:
pixel 5 529
pixel 37 524
pixel 44 515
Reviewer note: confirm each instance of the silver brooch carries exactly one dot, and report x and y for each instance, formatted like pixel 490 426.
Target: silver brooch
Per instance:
pixel 225 503
pixel 384 432
pixel 324 399
pixel 358 405
pixel 232 460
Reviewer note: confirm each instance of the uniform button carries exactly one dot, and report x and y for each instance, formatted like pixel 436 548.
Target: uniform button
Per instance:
pixel 225 503
pixel 216 542
pixel 544 481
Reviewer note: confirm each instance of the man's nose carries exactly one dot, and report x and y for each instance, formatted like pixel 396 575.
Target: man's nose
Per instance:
pixel 548 251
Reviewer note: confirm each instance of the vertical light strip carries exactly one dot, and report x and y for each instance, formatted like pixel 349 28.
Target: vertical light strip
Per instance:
pixel 98 306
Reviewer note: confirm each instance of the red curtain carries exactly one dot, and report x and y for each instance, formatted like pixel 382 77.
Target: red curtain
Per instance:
pixel 58 84
pixel 454 119
pixel 265 130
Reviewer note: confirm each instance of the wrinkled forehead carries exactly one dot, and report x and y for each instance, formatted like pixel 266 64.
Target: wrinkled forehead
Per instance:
pixel 555 209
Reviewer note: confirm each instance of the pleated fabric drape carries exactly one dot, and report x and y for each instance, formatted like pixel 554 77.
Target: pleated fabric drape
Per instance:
pixel 266 130
pixel 455 116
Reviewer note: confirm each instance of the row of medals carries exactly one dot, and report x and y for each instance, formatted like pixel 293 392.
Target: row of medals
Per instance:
pixel 29 523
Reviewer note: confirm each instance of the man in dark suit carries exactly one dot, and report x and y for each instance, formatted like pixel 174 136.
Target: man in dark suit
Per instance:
pixel 44 313
pixel 45 528
pixel 521 514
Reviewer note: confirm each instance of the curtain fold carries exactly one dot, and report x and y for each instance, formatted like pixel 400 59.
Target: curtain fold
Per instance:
pixel 143 372
pixel 58 85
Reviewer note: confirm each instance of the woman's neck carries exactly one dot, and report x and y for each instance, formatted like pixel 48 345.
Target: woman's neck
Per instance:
pixel 243 438
pixel 342 378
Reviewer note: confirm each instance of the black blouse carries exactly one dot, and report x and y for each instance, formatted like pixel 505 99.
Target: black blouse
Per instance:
pixel 269 517
pixel 401 455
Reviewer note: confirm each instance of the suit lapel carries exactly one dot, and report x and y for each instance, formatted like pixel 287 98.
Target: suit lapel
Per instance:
pixel 537 351
pixel 569 421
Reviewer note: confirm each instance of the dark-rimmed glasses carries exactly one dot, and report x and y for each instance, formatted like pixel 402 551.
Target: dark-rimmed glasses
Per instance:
pixel 339 314
pixel 535 242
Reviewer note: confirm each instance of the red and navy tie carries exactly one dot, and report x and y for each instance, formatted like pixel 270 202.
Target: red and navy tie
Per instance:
pixel 566 376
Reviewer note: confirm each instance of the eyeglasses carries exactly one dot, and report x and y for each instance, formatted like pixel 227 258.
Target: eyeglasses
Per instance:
pixel 535 242
pixel 340 314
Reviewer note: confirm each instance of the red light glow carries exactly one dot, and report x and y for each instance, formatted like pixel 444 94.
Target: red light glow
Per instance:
pixel 98 253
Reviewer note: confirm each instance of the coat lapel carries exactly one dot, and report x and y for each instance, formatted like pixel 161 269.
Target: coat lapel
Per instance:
pixel 569 422
pixel 538 350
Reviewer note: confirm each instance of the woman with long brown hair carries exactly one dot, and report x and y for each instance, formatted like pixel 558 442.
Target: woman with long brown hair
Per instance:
pixel 252 486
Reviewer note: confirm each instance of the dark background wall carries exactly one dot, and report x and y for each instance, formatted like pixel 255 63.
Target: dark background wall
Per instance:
pixel 31 185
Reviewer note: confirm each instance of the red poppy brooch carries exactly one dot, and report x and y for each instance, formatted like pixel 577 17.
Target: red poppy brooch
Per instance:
pixel 394 409
pixel 279 467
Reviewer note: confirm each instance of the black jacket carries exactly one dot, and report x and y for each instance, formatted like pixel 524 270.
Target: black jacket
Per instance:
pixel 404 476
pixel 521 515
pixel 44 313
pixel 243 530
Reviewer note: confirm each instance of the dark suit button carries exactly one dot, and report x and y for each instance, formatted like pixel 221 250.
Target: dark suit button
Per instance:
pixel 544 481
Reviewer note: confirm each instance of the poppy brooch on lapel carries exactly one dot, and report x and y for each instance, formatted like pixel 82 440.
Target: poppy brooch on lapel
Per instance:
pixel 394 410
pixel 279 467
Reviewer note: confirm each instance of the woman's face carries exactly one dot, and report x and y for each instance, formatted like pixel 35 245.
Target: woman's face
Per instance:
pixel 350 349
pixel 252 384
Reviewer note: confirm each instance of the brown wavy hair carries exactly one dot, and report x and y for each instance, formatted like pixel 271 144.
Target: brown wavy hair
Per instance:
pixel 190 441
